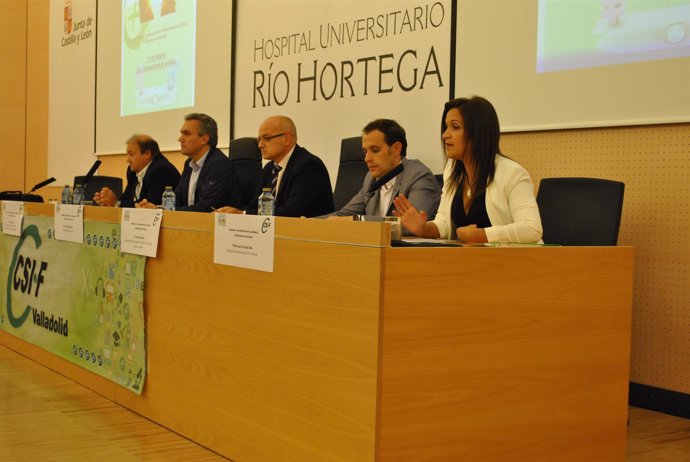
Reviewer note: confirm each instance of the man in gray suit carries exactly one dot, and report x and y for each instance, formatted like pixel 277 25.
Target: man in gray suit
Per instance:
pixel 390 173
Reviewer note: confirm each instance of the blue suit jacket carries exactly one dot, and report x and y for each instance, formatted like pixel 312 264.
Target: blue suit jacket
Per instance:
pixel 216 187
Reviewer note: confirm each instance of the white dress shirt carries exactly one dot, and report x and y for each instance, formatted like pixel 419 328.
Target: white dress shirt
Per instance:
pixel 196 170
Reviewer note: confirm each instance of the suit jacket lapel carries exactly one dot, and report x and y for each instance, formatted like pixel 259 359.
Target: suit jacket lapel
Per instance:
pixel 147 177
pixel 285 180
pixel 185 183
pixel 373 203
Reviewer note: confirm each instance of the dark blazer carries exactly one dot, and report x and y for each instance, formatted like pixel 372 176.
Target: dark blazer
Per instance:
pixel 160 173
pixel 305 187
pixel 217 186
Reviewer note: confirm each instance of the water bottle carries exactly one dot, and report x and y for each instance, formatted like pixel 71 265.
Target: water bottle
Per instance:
pixel 66 195
pixel 168 198
pixel 266 202
pixel 78 195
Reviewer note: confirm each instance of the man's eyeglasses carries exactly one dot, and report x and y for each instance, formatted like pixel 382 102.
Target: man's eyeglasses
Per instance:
pixel 267 138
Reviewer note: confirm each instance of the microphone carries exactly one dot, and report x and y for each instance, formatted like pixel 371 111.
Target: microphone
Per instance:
pixel 42 184
pixel 26 197
pixel 395 171
pixel 376 185
pixel 91 173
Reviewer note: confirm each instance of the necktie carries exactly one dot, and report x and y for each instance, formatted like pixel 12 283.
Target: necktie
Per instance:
pixel 274 178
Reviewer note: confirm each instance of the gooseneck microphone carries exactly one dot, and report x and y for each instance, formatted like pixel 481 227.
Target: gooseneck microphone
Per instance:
pixel 26 197
pixel 376 185
pixel 395 171
pixel 42 184
pixel 91 173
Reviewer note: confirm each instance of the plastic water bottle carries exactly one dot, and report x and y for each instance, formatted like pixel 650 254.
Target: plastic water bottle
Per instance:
pixel 78 195
pixel 266 202
pixel 66 195
pixel 168 198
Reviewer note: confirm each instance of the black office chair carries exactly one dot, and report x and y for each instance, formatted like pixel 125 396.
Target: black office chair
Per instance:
pixel 96 183
pixel 580 211
pixel 439 179
pixel 351 171
pixel 246 156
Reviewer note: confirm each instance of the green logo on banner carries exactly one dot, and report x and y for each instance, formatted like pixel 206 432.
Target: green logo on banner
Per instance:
pixel 83 303
pixel 23 274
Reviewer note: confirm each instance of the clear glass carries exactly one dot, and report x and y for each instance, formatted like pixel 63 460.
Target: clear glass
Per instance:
pixel 396 227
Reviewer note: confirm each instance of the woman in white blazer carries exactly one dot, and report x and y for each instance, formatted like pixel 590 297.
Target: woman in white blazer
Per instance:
pixel 487 197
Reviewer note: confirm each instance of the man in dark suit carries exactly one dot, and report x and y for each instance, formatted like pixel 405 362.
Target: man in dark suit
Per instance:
pixel 148 174
pixel 300 179
pixel 209 179
pixel 384 143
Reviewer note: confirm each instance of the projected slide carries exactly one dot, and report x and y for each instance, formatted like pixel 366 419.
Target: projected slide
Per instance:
pixel 589 33
pixel 158 55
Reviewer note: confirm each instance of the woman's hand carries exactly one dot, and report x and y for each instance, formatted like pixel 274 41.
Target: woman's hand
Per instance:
pixel 412 219
pixel 471 233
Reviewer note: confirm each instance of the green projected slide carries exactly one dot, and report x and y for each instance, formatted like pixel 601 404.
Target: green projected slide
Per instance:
pixel 158 55
pixel 587 33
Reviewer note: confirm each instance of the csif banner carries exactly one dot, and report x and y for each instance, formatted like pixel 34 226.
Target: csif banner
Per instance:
pixel 81 302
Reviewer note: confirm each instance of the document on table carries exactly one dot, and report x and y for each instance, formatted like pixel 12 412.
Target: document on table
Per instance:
pixel 246 241
pixel 12 217
pixel 69 223
pixel 139 230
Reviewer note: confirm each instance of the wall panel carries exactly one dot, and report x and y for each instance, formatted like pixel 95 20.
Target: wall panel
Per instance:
pixel 654 163
pixel 13 95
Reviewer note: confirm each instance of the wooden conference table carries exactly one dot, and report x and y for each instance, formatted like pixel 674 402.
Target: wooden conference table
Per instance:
pixel 352 350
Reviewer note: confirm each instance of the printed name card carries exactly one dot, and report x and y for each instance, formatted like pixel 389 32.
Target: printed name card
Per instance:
pixel 69 223
pixel 246 241
pixel 12 217
pixel 139 230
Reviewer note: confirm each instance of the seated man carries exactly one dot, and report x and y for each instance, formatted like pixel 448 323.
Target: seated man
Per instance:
pixel 298 179
pixel 209 179
pixel 385 146
pixel 148 174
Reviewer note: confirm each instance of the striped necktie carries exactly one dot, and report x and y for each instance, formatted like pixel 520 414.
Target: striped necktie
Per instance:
pixel 274 178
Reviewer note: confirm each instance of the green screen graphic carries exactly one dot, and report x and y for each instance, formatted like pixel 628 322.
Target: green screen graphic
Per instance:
pixel 587 33
pixel 158 55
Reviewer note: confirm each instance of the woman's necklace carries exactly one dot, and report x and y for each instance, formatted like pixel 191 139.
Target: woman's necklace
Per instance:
pixel 469 185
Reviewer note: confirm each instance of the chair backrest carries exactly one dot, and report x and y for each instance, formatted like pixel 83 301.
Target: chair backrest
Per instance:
pixel 351 171
pixel 97 182
pixel 246 157
pixel 439 179
pixel 580 211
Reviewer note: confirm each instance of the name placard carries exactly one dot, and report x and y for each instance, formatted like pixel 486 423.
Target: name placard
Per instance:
pixel 69 223
pixel 140 229
pixel 12 217
pixel 246 241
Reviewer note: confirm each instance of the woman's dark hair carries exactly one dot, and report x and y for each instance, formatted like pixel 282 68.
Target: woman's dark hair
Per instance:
pixel 482 134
